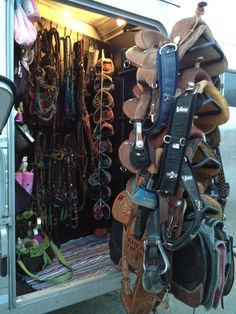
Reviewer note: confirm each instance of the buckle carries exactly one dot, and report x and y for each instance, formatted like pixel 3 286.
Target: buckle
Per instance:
pixel 138 142
pixel 176 145
pixel 171 45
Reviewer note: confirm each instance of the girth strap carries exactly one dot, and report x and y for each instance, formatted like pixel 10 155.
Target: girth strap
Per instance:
pixel 188 181
pixel 175 142
pixel 167 62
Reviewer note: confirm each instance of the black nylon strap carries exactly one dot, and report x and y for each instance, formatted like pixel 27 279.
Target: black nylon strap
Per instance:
pixel 175 142
pixel 168 64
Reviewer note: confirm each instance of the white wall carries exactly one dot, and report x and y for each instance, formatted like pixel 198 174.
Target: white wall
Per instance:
pixel 221 18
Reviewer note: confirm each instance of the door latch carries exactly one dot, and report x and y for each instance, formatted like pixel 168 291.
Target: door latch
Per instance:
pixel 3 250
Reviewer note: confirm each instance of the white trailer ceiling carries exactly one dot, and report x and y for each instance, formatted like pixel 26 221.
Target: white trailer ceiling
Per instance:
pixel 89 23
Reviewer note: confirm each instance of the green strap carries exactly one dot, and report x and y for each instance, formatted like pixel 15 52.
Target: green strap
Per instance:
pixel 60 279
pixel 26 215
pixel 46 258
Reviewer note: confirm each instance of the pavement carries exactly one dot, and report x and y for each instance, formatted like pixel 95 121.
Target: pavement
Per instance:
pixel 110 303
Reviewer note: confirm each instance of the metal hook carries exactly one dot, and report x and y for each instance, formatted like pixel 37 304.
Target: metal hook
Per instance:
pixel 64 31
pixel 162 252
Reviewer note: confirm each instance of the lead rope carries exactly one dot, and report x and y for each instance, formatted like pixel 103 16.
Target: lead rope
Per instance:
pixel 70 178
pixel 82 164
pixel 40 192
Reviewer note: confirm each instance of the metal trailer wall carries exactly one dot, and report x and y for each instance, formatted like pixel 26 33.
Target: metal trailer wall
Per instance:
pixel 7 245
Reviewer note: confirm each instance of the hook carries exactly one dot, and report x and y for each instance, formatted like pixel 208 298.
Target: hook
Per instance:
pixel 77 36
pixel 43 22
pixel 92 42
pixel 50 25
pixel 64 31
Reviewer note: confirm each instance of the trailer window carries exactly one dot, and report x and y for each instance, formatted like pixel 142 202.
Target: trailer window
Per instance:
pixel 229 83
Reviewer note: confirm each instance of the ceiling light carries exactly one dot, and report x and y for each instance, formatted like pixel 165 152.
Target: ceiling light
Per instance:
pixel 67 13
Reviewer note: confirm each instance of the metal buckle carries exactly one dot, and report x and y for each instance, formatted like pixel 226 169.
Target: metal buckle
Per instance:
pixel 166 139
pixel 139 143
pixel 168 45
pixel 192 88
pixel 126 64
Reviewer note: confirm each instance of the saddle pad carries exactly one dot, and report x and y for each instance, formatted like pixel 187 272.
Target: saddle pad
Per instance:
pixel 210 230
pixel 213 110
pixel 190 272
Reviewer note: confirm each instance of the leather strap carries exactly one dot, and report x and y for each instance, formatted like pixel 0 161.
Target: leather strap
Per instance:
pixel 70 166
pixel 58 211
pixel 54 43
pixel 80 90
pixel 83 161
pixel 69 89
pixel 40 183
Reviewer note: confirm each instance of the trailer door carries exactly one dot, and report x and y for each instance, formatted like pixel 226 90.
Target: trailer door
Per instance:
pixel 7 196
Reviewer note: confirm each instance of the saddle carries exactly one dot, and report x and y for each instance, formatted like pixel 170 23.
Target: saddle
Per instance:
pixel 168 210
pixel 192 35
pixel 135 300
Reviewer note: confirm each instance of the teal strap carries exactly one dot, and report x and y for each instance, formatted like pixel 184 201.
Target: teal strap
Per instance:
pixel 59 279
